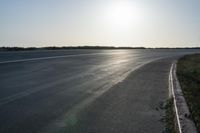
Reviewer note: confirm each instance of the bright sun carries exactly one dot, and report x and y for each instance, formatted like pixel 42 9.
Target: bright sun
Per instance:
pixel 122 14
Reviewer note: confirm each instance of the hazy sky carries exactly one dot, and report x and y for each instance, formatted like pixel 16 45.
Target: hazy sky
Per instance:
pixel 148 23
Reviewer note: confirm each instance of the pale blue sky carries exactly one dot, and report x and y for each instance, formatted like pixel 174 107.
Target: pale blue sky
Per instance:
pixel 148 23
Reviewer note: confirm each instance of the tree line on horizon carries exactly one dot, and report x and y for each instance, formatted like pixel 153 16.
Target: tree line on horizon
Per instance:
pixel 82 47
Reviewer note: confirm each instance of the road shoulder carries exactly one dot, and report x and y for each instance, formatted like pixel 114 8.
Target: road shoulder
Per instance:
pixel 183 120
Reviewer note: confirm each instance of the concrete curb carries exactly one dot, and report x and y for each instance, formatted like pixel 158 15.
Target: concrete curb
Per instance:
pixel 183 122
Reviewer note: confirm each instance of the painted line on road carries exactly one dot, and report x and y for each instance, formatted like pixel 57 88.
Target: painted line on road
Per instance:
pixel 171 87
pixel 50 57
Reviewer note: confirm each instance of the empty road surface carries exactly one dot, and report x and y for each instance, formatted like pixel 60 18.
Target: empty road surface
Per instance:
pixel 84 91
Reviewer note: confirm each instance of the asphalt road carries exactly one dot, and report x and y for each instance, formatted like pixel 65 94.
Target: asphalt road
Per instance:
pixel 82 90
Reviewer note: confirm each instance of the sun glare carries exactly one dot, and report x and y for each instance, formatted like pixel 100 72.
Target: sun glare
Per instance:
pixel 123 14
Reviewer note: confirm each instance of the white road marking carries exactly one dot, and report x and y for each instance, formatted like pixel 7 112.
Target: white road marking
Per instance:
pixel 171 86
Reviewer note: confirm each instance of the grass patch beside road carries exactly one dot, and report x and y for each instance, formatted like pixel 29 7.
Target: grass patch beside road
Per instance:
pixel 188 71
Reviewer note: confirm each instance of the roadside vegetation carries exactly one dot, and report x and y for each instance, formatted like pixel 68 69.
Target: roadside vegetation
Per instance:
pixel 188 71
pixel 80 47
pixel 170 117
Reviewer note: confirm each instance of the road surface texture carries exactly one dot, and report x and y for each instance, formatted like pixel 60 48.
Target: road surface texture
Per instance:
pixel 87 91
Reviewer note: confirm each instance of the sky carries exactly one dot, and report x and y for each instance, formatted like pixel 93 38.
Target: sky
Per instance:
pixel 132 23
